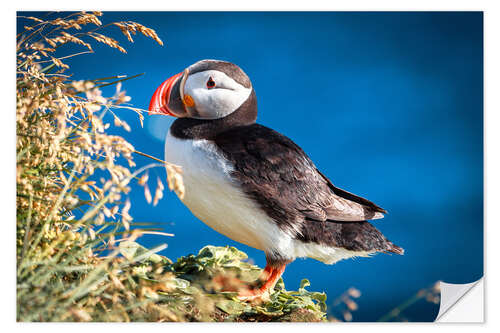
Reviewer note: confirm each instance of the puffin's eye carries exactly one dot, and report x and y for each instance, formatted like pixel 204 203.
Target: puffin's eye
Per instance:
pixel 210 83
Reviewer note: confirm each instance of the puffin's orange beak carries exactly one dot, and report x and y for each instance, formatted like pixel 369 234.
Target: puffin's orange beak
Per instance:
pixel 161 97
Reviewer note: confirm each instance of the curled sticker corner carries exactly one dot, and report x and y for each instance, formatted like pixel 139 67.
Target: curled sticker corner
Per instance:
pixel 461 302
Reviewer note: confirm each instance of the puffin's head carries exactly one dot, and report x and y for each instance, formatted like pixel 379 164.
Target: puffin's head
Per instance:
pixel 208 89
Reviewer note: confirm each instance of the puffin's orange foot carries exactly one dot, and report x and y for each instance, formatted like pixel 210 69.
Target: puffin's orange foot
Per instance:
pixel 251 295
pixel 249 292
pixel 246 291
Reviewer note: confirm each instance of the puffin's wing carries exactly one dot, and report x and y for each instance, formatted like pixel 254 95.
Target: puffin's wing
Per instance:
pixel 276 173
pixel 370 210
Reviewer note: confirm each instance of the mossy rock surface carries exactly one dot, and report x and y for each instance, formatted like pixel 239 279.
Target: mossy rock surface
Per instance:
pixel 192 282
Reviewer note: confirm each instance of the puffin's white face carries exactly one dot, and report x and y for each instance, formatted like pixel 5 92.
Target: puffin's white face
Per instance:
pixel 214 94
pixel 208 89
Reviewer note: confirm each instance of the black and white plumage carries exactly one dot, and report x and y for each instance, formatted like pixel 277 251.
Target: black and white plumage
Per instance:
pixel 253 184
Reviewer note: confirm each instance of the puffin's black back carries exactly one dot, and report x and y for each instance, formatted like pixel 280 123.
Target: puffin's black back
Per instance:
pixel 280 177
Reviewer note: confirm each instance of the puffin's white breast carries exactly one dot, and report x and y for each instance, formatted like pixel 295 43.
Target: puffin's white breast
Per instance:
pixel 215 197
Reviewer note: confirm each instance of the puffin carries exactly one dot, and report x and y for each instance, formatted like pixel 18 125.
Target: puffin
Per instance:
pixel 253 184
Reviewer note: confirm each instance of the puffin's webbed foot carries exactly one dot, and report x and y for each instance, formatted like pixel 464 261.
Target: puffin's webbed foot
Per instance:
pixel 256 290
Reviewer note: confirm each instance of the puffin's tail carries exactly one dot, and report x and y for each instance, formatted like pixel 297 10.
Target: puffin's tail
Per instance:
pixel 353 236
pixel 395 249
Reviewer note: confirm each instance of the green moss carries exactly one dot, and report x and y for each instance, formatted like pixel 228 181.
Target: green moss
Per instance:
pixel 193 278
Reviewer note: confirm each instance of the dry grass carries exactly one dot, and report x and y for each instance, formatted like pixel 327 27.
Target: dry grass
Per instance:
pixel 72 177
pixel 430 294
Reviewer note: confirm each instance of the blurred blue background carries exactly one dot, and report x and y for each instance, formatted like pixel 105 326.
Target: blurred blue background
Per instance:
pixel 388 105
